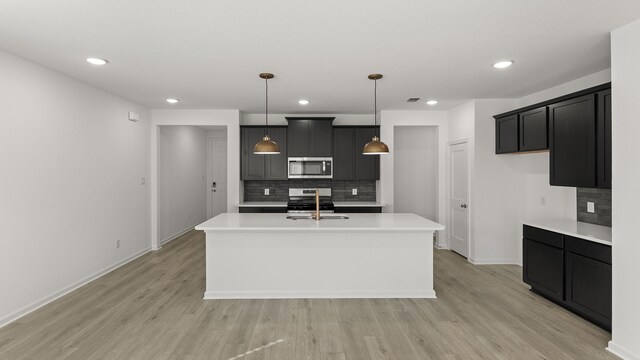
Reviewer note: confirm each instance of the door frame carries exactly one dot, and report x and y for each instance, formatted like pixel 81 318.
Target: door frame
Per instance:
pixel 450 144
pixel 210 140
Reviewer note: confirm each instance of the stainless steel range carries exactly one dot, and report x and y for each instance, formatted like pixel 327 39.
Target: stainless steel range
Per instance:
pixel 303 201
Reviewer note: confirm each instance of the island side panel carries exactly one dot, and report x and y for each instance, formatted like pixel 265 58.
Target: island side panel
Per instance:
pixel 319 264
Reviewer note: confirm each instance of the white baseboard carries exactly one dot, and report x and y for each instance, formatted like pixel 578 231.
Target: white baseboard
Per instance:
pixel 60 293
pixel 211 295
pixel 178 234
pixel 494 261
pixel 621 352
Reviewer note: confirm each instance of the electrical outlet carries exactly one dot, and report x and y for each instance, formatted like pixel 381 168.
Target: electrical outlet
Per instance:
pixel 354 192
pixel 591 207
pixel 117 243
pixel 266 192
pixel 143 181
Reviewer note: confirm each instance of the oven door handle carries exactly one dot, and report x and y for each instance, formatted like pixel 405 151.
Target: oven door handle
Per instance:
pixel 324 167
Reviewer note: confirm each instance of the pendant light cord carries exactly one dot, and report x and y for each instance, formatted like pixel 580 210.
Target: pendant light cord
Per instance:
pixel 266 107
pixel 375 106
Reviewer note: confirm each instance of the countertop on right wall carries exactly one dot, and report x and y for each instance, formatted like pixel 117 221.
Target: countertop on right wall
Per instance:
pixel 596 233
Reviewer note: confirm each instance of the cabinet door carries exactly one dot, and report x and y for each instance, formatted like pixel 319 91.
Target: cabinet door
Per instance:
pixel 252 165
pixel 572 142
pixel 589 288
pixel 507 134
pixel 276 165
pixel 367 166
pixel 320 138
pixel 533 130
pixel 344 156
pixel 604 139
pixel 298 138
pixel 274 210
pixel 543 268
pixel 250 210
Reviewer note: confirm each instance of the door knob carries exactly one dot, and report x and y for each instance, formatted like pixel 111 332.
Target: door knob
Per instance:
pixel 464 206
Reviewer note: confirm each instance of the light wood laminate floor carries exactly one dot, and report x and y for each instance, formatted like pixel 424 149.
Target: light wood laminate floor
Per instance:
pixel 152 308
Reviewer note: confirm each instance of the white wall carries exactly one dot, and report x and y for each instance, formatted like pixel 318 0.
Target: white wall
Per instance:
pixel 71 184
pixel 625 57
pixel 391 120
pixel 227 118
pixel 416 170
pixel 182 165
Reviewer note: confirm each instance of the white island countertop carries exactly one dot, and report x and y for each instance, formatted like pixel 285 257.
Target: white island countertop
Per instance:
pixel 596 233
pixel 356 222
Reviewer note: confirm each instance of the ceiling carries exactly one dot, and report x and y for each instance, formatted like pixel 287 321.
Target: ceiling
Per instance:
pixel 208 53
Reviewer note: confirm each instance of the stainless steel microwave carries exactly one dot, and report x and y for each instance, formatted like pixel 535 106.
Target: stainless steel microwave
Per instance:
pixel 310 168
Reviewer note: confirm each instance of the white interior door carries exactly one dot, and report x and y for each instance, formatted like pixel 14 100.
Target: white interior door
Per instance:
pixel 217 203
pixel 459 198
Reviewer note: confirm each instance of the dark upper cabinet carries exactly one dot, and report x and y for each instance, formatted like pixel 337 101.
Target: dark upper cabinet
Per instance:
pixel 310 137
pixel 367 166
pixel 298 138
pixel 276 165
pixel 348 161
pixel 252 165
pixel 507 134
pixel 344 154
pixel 320 138
pixel 262 167
pixel 603 120
pixel 572 142
pixel 533 130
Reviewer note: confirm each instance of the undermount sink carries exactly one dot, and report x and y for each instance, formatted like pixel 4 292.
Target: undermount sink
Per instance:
pixel 322 217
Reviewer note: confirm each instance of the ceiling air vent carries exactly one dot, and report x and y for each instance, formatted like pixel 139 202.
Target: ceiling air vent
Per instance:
pixel 413 99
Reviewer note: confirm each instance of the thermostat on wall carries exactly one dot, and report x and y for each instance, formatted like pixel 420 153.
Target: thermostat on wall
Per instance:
pixel 133 116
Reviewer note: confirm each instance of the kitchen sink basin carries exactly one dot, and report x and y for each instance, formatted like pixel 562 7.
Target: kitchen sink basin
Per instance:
pixel 322 217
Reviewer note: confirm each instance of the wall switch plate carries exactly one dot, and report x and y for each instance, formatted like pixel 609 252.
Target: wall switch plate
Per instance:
pixel 143 181
pixel 591 207
pixel 266 191
pixel 354 192
pixel 117 243
pixel 133 116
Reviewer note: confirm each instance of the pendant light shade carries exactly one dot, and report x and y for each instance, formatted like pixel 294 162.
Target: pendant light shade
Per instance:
pixel 266 146
pixel 375 146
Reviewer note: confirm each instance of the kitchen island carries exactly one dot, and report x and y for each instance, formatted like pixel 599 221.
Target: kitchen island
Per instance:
pixel 267 256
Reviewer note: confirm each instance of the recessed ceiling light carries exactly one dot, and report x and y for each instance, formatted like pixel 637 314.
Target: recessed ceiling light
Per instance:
pixel 503 64
pixel 173 101
pixel 96 61
pixel 303 102
pixel 432 102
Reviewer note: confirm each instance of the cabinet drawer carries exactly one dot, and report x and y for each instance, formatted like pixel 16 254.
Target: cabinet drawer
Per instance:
pixel 589 249
pixel 543 236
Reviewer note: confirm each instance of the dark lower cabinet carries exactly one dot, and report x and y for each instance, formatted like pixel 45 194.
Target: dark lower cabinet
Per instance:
pixel 507 134
pixel 572 272
pixel 572 142
pixel 358 209
pixel 544 258
pixel 266 210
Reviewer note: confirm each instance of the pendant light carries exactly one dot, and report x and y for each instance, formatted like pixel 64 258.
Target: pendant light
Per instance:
pixel 375 146
pixel 266 146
